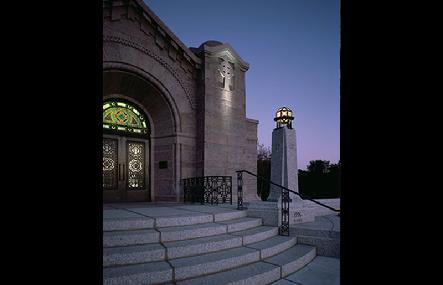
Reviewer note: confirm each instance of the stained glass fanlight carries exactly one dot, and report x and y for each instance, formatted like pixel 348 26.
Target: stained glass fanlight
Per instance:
pixel 123 117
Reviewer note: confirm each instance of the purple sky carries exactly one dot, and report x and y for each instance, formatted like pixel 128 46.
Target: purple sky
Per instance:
pixel 292 47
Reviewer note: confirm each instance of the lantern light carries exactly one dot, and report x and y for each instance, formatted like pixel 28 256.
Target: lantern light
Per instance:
pixel 283 116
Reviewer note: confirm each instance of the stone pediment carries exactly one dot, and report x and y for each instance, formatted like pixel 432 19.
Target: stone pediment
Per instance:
pixel 225 50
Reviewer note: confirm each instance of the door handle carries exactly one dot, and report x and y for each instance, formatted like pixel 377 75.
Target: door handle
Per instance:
pixel 124 173
pixel 119 172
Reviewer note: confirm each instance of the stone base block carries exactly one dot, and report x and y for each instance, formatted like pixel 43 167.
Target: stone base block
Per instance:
pixel 268 211
pixel 271 214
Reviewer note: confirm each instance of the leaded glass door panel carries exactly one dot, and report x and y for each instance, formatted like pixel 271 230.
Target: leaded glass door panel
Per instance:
pixel 113 161
pixel 125 169
pixel 137 170
pixel 110 164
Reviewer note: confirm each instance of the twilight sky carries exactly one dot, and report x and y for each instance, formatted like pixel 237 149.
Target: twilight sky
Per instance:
pixel 292 47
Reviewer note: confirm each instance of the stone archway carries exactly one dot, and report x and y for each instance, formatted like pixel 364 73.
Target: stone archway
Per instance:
pixel 164 121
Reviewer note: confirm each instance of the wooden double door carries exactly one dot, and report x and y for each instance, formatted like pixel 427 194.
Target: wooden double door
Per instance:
pixel 125 169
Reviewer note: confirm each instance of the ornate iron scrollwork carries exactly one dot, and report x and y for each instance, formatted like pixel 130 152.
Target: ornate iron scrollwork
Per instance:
pixel 208 189
pixel 239 190
pixel 284 227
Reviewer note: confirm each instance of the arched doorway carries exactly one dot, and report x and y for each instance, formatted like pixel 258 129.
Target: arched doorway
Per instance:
pixel 126 152
pixel 163 118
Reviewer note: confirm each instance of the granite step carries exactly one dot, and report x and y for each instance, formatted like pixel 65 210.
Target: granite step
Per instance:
pixel 213 262
pixel 145 273
pixel 219 213
pixel 171 217
pixel 256 234
pixel 273 245
pixel 207 229
pixel 184 248
pixel 320 271
pixel 258 273
pixel 125 238
pixel 241 224
pixel 286 282
pixel 182 268
pixel 329 247
pixel 263 272
pixel 190 232
pixel 125 255
pixel 194 266
pixel 173 221
pixel 127 224
pixel 293 259
pixel 197 245
pixel 229 215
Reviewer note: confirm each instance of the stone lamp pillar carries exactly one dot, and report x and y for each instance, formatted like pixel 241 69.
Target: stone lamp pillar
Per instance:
pixel 284 170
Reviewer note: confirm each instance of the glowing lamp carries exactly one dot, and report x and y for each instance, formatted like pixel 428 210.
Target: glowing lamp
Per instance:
pixel 283 116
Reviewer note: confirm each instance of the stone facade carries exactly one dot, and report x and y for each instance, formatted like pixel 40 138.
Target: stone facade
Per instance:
pixel 194 99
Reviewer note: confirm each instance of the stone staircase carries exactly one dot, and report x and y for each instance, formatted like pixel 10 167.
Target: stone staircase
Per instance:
pixel 323 233
pixel 194 244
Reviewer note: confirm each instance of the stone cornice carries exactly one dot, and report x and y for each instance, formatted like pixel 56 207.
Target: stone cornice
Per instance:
pixel 159 59
pixel 148 17
pixel 252 121
pixel 168 31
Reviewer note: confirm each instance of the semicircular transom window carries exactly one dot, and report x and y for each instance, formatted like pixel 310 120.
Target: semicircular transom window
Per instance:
pixel 123 117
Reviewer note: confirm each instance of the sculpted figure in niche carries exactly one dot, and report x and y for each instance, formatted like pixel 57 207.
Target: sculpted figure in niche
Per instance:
pixel 226 74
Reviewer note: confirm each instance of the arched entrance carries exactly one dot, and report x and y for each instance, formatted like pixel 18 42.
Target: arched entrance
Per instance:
pixel 126 152
pixel 162 154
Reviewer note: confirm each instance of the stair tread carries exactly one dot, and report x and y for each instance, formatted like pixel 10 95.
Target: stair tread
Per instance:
pixel 125 270
pixel 189 227
pixel 291 254
pixel 235 274
pixel 129 232
pixel 111 214
pixel 210 257
pixel 255 230
pixel 121 224
pixel 325 238
pixel 199 241
pixel 190 247
pixel 208 209
pixel 270 242
pixel 219 213
pixel 321 270
pixel 239 220
pixel 241 224
pixel 132 249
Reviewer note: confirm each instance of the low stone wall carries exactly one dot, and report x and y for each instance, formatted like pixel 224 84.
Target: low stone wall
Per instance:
pixel 299 212
pixel 317 210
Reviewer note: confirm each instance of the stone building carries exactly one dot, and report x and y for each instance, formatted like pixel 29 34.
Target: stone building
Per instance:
pixel 169 112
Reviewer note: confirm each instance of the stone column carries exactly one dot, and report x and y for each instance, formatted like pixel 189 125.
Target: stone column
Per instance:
pixel 284 170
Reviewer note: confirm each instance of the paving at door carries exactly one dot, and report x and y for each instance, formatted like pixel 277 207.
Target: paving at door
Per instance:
pixel 157 211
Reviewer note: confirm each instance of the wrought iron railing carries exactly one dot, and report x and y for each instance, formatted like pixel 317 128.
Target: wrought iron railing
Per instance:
pixel 284 227
pixel 208 189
